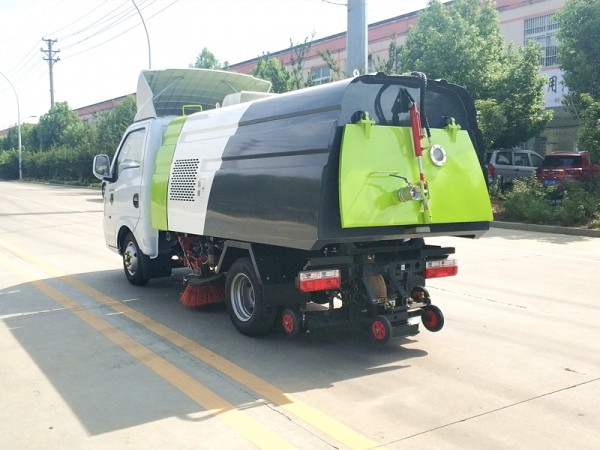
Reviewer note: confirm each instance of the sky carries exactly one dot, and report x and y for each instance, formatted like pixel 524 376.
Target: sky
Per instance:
pixel 103 46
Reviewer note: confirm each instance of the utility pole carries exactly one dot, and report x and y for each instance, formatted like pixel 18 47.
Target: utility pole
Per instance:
pixel 51 60
pixel 356 40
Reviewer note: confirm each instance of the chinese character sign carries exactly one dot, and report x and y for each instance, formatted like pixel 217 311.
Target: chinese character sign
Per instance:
pixel 555 89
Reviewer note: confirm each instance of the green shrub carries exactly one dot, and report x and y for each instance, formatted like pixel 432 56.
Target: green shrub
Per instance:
pixel 527 201
pixel 60 164
pixel 577 206
pixel 571 204
pixel 9 165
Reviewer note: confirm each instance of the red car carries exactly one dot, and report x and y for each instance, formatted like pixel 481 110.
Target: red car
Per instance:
pixel 560 166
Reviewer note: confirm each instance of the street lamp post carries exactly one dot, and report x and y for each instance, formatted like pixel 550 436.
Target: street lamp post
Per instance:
pixel 18 124
pixel 147 35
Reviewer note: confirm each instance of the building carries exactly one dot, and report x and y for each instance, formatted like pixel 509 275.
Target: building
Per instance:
pixel 520 22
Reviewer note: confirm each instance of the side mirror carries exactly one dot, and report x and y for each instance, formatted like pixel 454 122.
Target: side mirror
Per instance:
pixel 101 167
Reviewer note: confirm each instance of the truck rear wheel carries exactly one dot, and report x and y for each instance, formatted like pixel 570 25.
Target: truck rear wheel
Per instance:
pixel 381 329
pixel 132 262
pixel 432 318
pixel 245 300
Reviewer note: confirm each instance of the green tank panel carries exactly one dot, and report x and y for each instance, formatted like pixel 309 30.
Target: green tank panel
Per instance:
pixel 160 179
pixel 372 160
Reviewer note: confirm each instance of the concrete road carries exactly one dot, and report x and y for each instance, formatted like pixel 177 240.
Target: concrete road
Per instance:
pixel 89 361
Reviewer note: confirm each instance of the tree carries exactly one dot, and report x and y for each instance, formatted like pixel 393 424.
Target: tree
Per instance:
pixel 53 125
pixel 579 59
pixel 462 43
pixel 299 53
pixel 389 66
pixel 111 126
pixel 579 51
pixel 207 60
pixel 28 139
pixel 268 68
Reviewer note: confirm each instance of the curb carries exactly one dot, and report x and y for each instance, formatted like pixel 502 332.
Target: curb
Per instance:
pixel 546 229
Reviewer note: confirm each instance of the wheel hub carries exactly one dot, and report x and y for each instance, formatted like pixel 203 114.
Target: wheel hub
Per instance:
pixel 130 258
pixel 242 297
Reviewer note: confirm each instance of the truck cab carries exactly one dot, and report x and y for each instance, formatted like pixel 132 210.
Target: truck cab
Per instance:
pixel 162 96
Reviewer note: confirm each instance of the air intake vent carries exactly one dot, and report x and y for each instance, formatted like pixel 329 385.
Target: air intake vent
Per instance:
pixel 183 181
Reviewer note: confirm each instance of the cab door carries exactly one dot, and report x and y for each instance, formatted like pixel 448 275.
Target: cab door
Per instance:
pixel 122 197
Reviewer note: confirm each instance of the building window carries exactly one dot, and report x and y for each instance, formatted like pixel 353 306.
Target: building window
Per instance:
pixel 321 75
pixel 543 29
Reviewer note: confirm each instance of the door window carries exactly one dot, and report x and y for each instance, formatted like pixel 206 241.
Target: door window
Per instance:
pixel 536 161
pixel 504 159
pixel 130 155
pixel 521 159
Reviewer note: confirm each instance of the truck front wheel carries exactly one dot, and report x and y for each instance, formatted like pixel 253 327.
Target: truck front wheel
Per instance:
pixel 245 300
pixel 132 262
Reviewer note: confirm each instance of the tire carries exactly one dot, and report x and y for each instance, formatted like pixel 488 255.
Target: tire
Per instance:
pixel 132 262
pixel 289 320
pixel 381 329
pixel 420 294
pixel 432 318
pixel 245 301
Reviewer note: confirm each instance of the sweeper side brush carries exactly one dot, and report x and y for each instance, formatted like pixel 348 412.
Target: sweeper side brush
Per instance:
pixel 204 291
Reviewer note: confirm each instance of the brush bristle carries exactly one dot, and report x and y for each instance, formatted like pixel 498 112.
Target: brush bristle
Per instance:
pixel 205 294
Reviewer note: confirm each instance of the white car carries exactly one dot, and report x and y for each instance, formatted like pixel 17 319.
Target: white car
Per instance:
pixel 506 165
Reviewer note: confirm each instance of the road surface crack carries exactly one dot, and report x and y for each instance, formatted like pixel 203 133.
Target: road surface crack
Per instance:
pixel 494 410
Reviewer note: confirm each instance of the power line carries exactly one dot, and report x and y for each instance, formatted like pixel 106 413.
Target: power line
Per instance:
pixel 77 20
pixel 24 71
pixel 98 22
pixel 120 34
pixel 125 15
pixel 32 52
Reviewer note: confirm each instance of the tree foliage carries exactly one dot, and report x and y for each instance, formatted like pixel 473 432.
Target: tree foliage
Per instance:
pixel 462 43
pixel 579 51
pixel 56 124
pixel 29 138
pixel 389 66
pixel 207 60
pixel 110 127
pixel 268 68
pixel 589 124
pixel 579 56
pixel 300 51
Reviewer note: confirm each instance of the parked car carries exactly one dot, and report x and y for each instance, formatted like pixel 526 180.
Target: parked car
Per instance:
pixel 506 165
pixel 560 166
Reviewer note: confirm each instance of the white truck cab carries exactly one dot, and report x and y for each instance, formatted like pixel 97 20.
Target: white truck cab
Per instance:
pixel 162 96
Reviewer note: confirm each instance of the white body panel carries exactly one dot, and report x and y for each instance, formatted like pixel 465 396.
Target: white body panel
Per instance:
pixel 122 212
pixel 196 159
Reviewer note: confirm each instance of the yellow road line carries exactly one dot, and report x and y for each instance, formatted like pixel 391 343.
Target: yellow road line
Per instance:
pixel 246 426
pixel 319 420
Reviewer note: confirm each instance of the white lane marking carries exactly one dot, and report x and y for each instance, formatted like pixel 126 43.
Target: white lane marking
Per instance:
pixel 81 212
pixel 59 207
pixel 595 261
pixel 11 316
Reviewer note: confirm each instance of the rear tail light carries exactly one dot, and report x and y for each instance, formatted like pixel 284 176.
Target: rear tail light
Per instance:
pixel 443 268
pixel 573 171
pixel 491 170
pixel 319 280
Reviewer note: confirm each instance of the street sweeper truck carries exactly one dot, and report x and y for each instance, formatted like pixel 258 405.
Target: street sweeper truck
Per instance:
pixel 301 210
